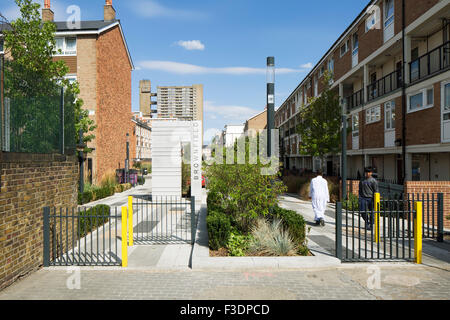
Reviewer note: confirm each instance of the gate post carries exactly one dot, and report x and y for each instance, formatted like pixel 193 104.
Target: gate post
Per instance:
pixel 124 238
pixel 418 232
pixel 376 217
pixel 46 236
pixel 339 230
pixel 130 220
pixel 193 229
pixel 440 218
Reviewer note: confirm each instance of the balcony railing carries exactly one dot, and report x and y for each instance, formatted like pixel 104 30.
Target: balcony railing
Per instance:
pixel 430 63
pixel 354 100
pixel 385 85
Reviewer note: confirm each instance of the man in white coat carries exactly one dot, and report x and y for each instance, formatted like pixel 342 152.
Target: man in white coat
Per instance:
pixel 318 192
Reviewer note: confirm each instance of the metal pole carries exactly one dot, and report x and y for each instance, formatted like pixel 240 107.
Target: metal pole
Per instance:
pixel 403 96
pixel 2 91
pixel 270 102
pixel 61 123
pixel 344 157
pixel 47 237
pixel 193 220
pixel 339 230
pixel 81 159
pixel 440 218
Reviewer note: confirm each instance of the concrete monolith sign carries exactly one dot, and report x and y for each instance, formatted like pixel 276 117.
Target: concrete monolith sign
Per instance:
pixel 166 145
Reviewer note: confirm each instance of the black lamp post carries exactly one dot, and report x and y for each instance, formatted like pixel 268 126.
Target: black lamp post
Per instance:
pixel 270 102
pixel 80 149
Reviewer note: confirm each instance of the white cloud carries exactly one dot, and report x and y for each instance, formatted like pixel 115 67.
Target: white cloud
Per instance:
pixel 308 65
pixel 191 44
pixel 152 9
pixel 232 114
pixel 185 68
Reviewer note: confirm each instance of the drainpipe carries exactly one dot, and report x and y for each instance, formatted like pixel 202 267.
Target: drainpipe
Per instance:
pixel 403 96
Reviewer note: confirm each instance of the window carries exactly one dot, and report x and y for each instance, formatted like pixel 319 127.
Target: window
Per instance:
pixel 316 87
pixel 355 125
pixel 389 115
pixel 388 13
pixel 331 65
pixel 355 43
pixel 421 100
pixel 371 21
pixel 344 48
pixel 447 101
pixel 68 46
pixel 373 114
pixel 321 71
pixel 2 50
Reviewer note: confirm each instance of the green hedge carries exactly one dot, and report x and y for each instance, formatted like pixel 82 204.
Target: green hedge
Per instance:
pixel 95 193
pixel 91 219
pixel 219 229
pixel 293 222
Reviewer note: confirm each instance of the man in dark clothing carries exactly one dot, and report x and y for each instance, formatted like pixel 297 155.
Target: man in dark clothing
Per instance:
pixel 367 189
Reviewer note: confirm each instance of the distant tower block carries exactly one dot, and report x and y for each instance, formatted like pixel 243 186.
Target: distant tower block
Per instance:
pixel 145 88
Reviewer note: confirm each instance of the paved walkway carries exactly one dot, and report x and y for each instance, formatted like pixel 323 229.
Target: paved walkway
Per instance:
pixel 346 282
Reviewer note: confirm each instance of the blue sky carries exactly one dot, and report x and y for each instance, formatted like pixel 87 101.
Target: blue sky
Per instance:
pixel 222 45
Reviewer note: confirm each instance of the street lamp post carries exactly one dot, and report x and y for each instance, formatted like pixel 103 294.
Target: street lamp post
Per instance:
pixel 270 102
pixel 80 149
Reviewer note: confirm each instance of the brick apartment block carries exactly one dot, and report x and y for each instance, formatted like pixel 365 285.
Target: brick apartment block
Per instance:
pixel 98 58
pixel 366 62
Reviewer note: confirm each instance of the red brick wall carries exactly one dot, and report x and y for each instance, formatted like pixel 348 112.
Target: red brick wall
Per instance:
pixel 419 187
pixel 113 101
pixel 413 10
pixel 29 182
pixel 372 134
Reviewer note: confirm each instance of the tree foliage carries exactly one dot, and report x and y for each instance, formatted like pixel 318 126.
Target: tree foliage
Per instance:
pixel 33 81
pixel 320 123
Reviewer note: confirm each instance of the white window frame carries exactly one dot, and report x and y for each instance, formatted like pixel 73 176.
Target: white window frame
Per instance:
pixel 321 71
pixel 373 114
pixel 389 114
pixel 391 17
pixel 346 45
pixel 443 84
pixel 316 87
pixel 64 51
pixel 425 105
pixel 373 19
pixel 355 132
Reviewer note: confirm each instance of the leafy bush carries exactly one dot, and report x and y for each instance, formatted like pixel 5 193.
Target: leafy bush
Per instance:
pixel 92 218
pixel 85 197
pixel 185 177
pixel 219 229
pixel 293 222
pixel 270 238
pixel 141 180
pixel 351 203
pixel 238 243
pixel 243 192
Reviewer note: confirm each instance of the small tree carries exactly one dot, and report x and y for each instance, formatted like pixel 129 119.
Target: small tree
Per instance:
pixel 33 81
pixel 320 123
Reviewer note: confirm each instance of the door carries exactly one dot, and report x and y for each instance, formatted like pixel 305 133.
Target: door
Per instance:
pixel 373 85
pixel 388 19
pixel 389 124
pixel 445 103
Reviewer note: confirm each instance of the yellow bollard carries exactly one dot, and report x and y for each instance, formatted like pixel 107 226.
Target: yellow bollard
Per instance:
pixel 376 223
pixel 124 238
pixel 418 232
pixel 130 220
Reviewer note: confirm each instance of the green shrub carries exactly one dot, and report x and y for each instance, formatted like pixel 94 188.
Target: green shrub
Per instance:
pixel 219 229
pixel 85 197
pixel 238 243
pixel 92 218
pixel 351 203
pixel 271 239
pixel 293 222
pixel 213 201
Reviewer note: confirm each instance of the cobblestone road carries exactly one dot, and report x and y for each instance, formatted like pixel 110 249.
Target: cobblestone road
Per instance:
pixel 347 282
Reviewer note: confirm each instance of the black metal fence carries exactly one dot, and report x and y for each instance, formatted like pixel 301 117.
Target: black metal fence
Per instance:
pixel 430 63
pixel 164 220
pixel 81 237
pixel 390 236
pixel 44 124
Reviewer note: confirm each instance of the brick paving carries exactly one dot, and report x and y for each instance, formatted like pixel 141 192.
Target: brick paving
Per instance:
pixel 346 282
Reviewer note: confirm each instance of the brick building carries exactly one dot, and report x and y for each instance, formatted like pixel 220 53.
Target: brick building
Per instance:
pixel 367 62
pixel 256 123
pixel 98 58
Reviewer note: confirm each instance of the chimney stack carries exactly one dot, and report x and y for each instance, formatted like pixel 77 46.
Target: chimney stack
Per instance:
pixel 47 13
pixel 109 12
